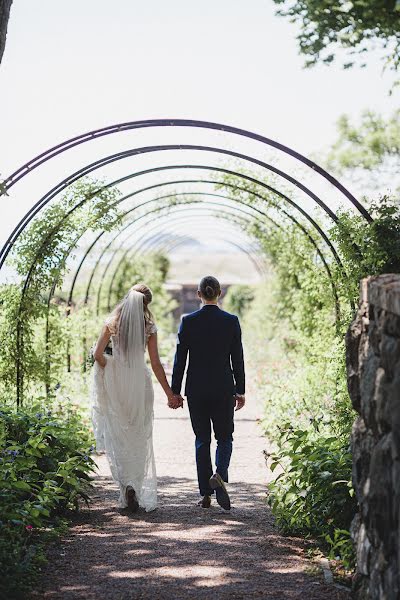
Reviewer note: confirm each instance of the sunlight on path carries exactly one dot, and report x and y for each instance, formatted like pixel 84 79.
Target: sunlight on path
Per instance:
pixel 181 551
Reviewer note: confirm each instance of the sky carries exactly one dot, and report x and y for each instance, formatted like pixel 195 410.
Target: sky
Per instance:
pixel 74 65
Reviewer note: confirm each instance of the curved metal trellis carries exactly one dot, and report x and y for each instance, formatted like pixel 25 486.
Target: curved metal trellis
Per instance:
pixel 238 246
pixel 63 147
pixel 185 194
pixel 131 125
pixel 239 175
pixel 219 214
pixel 160 148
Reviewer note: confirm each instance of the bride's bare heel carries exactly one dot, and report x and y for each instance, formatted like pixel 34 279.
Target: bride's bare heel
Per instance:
pixel 130 495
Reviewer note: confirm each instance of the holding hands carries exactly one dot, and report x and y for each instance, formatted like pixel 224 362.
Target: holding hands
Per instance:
pixel 175 401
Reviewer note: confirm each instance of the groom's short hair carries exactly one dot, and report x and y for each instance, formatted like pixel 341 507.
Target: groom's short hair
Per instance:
pixel 209 287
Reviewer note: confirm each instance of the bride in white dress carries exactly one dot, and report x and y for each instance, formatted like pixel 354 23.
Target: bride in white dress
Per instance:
pixel 123 398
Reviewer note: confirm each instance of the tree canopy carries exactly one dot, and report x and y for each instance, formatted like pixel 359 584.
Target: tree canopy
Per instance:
pixel 356 26
pixel 368 150
pixel 5 6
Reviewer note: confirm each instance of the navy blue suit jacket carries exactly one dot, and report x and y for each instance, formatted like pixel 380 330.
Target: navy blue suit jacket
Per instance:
pixel 213 340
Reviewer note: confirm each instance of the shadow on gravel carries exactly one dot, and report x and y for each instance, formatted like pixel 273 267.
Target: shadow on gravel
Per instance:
pixel 179 551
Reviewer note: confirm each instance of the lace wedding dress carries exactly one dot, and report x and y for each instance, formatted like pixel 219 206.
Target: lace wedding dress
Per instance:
pixel 122 406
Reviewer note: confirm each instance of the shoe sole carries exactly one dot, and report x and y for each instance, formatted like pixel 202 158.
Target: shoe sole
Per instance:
pixel 131 499
pixel 221 494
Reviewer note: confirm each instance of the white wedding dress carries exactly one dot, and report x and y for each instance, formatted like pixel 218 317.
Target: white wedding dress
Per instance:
pixel 122 410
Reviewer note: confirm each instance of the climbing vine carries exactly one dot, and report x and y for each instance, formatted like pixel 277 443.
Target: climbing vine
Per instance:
pixel 40 261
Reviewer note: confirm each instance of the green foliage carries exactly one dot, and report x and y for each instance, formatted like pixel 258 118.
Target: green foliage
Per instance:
pixel 238 299
pixel 312 494
pixel 40 258
pixel 368 248
pixel 304 285
pixel 367 145
pixel 45 469
pixel 296 335
pixel 356 26
pixel 368 151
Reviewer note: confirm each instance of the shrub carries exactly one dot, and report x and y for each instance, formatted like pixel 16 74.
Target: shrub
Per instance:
pixel 312 494
pixel 238 299
pixel 44 470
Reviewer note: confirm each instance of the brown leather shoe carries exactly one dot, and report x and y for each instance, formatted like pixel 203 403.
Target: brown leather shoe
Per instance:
pixel 205 502
pixel 132 501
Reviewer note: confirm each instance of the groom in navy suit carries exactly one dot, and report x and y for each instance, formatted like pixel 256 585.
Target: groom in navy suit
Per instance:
pixel 215 385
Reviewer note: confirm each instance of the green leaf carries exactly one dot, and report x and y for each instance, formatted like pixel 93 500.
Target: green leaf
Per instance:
pixel 21 485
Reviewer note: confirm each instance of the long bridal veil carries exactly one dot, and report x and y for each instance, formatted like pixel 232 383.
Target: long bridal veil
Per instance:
pixel 122 406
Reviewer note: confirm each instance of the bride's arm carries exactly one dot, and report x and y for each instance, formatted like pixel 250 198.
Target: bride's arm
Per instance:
pixel 102 342
pixel 156 365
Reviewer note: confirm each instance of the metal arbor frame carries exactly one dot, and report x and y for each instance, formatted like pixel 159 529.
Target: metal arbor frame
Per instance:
pixel 59 149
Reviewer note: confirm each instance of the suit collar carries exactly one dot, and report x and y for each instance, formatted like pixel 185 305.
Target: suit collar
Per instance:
pixel 209 306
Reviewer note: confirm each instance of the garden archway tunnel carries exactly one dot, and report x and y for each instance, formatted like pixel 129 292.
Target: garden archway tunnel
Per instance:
pixel 242 198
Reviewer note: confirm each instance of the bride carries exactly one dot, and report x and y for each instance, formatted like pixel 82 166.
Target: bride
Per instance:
pixel 123 398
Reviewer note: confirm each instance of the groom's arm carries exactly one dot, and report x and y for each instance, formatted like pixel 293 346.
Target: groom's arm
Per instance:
pixel 180 359
pixel 237 359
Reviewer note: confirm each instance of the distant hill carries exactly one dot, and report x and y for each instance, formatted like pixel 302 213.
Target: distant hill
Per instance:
pixel 189 267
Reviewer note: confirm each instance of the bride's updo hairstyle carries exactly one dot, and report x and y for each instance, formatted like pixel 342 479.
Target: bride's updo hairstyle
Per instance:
pixel 147 298
pixel 113 319
pixel 209 288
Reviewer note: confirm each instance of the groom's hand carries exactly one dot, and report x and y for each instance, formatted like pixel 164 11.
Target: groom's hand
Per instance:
pixel 175 401
pixel 240 401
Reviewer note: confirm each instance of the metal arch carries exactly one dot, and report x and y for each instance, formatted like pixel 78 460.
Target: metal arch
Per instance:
pixel 257 182
pixel 185 218
pixel 89 249
pixel 253 180
pixel 310 238
pixel 28 280
pixel 119 233
pixel 315 225
pixel 137 151
pixel 167 248
pixel 133 245
pixel 160 216
pixel 91 135
pixel 31 269
pixel 184 181
pixel 79 139
pixel 299 225
pixel 176 243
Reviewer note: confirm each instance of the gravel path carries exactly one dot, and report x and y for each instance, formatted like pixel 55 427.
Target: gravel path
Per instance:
pixel 181 551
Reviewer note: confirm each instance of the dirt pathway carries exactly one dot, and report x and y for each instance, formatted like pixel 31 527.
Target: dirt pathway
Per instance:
pixel 181 551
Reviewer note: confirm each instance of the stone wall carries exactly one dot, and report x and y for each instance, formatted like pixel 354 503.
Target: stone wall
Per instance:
pixel 373 368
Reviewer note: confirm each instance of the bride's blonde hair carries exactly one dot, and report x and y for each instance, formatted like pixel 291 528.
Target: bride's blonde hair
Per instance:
pixel 147 298
pixel 142 288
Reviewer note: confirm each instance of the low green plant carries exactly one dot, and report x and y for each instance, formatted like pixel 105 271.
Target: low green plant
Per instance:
pixel 313 494
pixel 45 469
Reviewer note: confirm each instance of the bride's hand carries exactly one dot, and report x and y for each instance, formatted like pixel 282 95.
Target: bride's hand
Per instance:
pixel 175 401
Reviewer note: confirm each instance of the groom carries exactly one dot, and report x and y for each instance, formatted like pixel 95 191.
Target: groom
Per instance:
pixel 215 384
